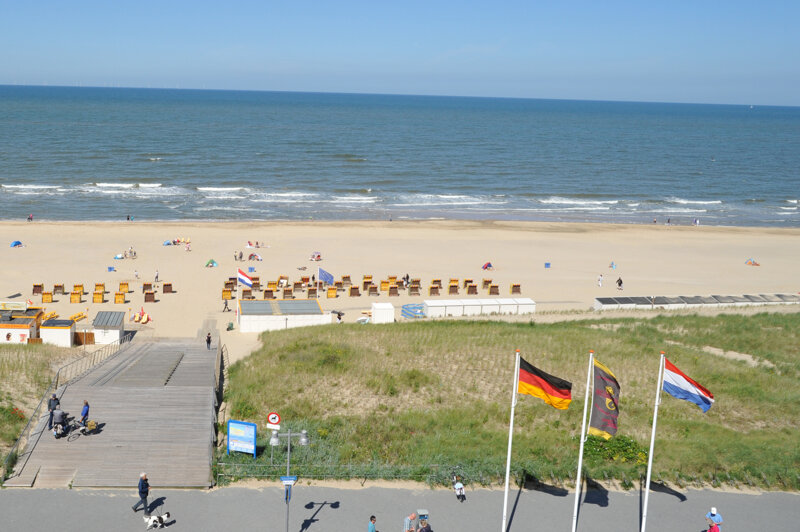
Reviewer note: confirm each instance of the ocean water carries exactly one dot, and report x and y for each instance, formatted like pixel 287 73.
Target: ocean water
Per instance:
pixel 106 153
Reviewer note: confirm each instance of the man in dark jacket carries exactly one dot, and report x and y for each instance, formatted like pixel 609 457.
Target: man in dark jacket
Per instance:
pixel 52 403
pixel 144 491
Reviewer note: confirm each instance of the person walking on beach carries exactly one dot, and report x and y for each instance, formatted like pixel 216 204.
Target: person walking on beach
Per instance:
pixel 408 523
pixel 208 339
pixel 52 403
pixel 144 491
pixel 371 525
pixel 619 283
pixel 136 273
pixel 30 217
pixel 156 275
pixel 600 280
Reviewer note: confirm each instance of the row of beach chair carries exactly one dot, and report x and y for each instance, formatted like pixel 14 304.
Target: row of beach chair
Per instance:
pixel 98 296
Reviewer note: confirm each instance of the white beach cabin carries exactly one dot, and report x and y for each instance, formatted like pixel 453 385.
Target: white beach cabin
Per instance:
pixel 58 332
pixel 257 315
pixel 108 326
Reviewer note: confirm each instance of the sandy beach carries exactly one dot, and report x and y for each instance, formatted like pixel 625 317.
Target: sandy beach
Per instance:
pixel 651 259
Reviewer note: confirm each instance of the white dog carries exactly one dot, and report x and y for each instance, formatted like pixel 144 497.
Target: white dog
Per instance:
pixel 156 521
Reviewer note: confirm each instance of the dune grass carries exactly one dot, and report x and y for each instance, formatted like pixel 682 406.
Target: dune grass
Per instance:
pixel 412 400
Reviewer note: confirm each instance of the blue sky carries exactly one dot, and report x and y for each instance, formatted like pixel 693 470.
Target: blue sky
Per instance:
pixel 703 51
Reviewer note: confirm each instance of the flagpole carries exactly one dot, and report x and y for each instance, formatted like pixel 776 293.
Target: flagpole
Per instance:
pixel 583 439
pixel 653 439
pixel 510 437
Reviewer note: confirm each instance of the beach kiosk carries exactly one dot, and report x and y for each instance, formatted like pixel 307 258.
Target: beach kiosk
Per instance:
pixel 258 315
pixel 57 332
pixel 382 313
pixel 17 330
pixel 108 326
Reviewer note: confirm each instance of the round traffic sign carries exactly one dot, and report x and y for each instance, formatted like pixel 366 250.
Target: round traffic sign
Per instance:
pixel 274 418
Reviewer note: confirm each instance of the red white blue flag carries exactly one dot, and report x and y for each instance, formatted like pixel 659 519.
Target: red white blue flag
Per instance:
pixel 680 386
pixel 245 279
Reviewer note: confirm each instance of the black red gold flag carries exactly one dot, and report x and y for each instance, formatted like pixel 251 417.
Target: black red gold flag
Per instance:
pixel 552 390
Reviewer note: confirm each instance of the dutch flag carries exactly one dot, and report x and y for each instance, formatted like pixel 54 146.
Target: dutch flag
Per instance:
pixel 680 386
pixel 245 279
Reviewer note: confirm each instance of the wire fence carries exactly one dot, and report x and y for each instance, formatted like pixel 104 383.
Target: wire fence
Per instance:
pixel 65 375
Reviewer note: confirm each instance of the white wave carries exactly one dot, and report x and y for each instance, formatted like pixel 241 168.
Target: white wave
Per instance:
pixel 791 201
pixel 558 200
pixel 149 185
pixel 354 199
pixel 155 158
pixel 289 194
pixel 25 187
pixel 693 202
pixel 633 204
pixel 220 189
pixel 115 185
pixel 678 211
pixel 788 208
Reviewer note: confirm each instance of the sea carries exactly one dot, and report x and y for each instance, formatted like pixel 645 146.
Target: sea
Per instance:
pixel 77 153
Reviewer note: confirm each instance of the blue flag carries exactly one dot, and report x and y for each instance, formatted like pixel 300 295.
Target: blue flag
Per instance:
pixel 325 277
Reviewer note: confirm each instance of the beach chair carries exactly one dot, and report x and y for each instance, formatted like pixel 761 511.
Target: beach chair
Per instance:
pixel 288 293
pixel 312 293
pixel 393 291
pixel 269 294
pixel 47 297
pixel 298 286
pixel 234 280
pixel 436 282
pixel 227 294
pixel 38 289
pixel 256 283
pixel 76 297
pixel 467 282
pixel 100 287
pixel 365 285
pixel 433 290
pixel 392 279
pixel 332 292
pixel 150 296
pixel 452 289
pixel 283 280
pixel 230 285
pixel 306 280
pixel 119 298
pixel 354 292
pixel 98 297
pixel 346 280
pixel 123 287
pixel 485 284
pixel 494 290
pixel 452 280
pixel 58 289
pixel 373 290
pixel 167 288
pixel 413 290
pixel 148 287
pixel 415 282
pixel 516 289
pixel 385 286
pixel 272 285
pixel 367 278
pixel 78 288
pixel 247 293
pixel 472 289
pixel 50 316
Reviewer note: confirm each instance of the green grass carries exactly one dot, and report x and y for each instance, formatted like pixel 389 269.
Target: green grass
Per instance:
pixel 412 400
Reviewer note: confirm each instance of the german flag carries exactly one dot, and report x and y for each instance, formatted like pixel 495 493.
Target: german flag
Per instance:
pixel 552 390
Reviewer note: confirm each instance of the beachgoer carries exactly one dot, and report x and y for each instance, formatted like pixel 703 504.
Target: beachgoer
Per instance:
pixel 600 280
pixel 129 217
pixel 713 528
pixel 713 518
pixel 408 523
pixel 144 491
pixel 208 339
pixel 226 308
pixel 136 273
pixel 84 413
pixel 30 217
pixel 156 275
pixel 59 417
pixel 669 221
pixel 52 403
pixel 313 279
pixel 371 525
pixel 235 254
pixel 619 283
pixel 655 221
pixel 241 256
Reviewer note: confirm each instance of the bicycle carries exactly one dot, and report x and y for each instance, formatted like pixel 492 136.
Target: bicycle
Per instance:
pixel 75 429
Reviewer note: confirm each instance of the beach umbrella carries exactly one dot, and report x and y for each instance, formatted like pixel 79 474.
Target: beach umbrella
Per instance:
pixel 211 263
pixel 16 244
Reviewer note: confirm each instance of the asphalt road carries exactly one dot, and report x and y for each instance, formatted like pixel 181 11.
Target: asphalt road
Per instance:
pixel 321 509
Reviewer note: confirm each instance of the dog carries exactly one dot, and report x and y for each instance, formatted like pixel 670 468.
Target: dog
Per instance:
pixel 156 521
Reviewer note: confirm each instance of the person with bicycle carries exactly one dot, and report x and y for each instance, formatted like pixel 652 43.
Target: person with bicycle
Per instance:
pixel 84 413
pixel 713 519
pixel 59 421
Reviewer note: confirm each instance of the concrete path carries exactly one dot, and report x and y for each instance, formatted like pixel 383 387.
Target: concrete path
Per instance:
pixel 325 509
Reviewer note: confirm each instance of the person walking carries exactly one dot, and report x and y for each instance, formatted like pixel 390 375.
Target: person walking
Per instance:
pixel 600 280
pixel 52 403
pixel 371 525
pixel 208 340
pixel 408 523
pixel 619 283
pixel 84 413
pixel 144 491
pixel 713 519
pixel 156 275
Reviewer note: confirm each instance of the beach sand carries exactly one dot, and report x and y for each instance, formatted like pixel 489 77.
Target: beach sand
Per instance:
pixel 651 259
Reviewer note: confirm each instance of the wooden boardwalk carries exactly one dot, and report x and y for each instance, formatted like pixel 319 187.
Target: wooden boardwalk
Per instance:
pixel 155 405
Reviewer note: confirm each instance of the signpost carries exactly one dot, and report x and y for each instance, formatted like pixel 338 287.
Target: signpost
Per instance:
pixel 241 437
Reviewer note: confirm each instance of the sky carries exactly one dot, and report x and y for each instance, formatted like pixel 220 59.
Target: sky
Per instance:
pixel 700 51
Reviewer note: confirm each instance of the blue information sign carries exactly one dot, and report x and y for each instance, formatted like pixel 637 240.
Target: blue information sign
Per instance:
pixel 241 437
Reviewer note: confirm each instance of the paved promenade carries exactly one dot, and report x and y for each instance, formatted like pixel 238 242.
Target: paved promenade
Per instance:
pixel 322 509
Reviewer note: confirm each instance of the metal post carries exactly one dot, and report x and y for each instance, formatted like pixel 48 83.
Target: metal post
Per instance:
pixel 288 461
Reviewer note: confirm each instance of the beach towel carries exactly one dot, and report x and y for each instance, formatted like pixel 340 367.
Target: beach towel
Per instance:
pixel 118 256
pixel 167 243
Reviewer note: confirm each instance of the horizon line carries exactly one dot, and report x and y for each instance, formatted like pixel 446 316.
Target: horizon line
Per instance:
pixel 465 96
